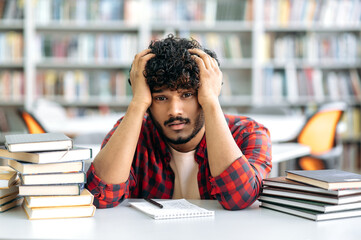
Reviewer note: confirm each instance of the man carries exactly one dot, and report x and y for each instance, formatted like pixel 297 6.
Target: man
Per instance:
pixel 174 140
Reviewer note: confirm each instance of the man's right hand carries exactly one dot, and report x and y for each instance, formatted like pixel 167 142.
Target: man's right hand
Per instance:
pixel 140 88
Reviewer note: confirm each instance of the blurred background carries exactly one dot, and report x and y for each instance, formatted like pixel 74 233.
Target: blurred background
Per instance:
pixel 64 65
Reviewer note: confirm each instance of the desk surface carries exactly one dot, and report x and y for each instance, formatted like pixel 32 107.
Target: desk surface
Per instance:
pixel 124 222
pixel 281 128
pixel 286 151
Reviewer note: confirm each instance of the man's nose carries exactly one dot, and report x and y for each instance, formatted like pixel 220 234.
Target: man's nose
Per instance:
pixel 175 107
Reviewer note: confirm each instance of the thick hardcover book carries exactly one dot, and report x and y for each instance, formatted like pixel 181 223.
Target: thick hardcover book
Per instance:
pixel 31 168
pixel 327 179
pixel 13 203
pixel 59 212
pixel 172 209
pixel 7 199
pixel 38 142
pixel 311 205
pixel 85 198
pixel 73 154
pixel 311 196
pixel 282 182
pixel 50 190
pixel 53 178
pixel 309 214
pixel 8 191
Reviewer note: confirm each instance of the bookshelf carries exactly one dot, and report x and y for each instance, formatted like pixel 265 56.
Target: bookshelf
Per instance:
pixel 287 53
pixel 311 55
pixel 11 54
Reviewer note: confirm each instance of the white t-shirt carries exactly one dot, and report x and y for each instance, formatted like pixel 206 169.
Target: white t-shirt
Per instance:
pixel 185 169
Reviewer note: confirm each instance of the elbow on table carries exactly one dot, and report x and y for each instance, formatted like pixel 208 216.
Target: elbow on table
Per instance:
pixel 105 204
pixel 240 205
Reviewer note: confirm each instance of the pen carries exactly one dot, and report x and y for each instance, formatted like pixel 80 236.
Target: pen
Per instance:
pixel 153 202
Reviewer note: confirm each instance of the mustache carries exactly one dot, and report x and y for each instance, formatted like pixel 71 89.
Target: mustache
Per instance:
pixel 172 119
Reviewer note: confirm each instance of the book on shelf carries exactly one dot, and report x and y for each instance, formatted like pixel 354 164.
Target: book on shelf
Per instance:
pixel 356 82
pixel 73 154
pixel 81 85
pixel 50 190
pixel 282 182
pixel 7 176
pixel 282 192
pixel 309 214
pixel 310 205
pixel 179 208
pixel 79 11
pixel 38 142
pixel 85 198
pixel 59 212
pixel 53 178
pixel 327 179
pixel 31 168
pixel 9 205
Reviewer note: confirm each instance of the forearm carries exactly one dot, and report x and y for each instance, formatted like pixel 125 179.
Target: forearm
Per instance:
pixel 113 162
pixel 221 146
pixel 239 185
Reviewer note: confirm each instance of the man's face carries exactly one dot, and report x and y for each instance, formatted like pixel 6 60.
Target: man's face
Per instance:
pixel 177 114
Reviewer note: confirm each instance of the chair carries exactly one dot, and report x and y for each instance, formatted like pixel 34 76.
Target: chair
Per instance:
pixel 320 134
pixel 31 123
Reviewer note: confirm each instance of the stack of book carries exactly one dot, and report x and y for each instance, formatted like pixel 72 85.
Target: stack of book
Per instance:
pixel 316 195
pixel 8 189
pixel 51 173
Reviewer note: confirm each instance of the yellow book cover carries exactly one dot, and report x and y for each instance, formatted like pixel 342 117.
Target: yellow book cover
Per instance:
pixel 85 198
pixel 59 212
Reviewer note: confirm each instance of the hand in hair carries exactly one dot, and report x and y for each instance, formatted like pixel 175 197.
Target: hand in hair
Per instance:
pixel 210 77
pixel 140 88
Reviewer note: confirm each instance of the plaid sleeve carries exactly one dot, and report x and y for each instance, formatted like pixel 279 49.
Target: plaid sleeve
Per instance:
pixel 105 195
pixel 239 185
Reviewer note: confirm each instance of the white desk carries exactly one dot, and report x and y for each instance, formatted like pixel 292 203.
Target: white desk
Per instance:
pixel 282 152
pixel 281 128
pixel 285 151
pixel 123 222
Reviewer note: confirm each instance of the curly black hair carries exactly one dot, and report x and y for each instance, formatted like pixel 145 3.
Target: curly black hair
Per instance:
pixel 172 67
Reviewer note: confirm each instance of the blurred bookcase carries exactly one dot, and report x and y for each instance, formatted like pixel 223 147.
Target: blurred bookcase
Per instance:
pixel 287 53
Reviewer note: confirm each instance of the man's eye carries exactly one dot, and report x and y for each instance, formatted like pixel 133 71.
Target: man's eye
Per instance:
pixel 187 95
pixel 160 98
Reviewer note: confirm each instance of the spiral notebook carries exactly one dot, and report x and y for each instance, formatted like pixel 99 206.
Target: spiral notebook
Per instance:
pixel 179 208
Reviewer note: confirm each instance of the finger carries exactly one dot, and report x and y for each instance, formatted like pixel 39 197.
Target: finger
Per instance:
pixel 141 59
pixel 141 54
pixel 146 58
pixel 199 61
pixel 204 56
pixel 214 63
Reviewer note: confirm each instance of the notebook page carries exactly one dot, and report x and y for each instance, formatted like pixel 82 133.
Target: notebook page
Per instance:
pixel 180 208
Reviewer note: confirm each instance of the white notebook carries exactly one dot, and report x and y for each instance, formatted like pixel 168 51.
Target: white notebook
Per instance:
pixel 179 208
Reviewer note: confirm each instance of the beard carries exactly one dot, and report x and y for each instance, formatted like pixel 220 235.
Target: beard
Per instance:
pixel 199 123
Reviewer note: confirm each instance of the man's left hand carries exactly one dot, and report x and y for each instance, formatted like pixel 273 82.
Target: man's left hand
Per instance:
pixel 210 77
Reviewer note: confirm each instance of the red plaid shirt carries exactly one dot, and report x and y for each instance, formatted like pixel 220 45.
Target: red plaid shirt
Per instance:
pixel 152 177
